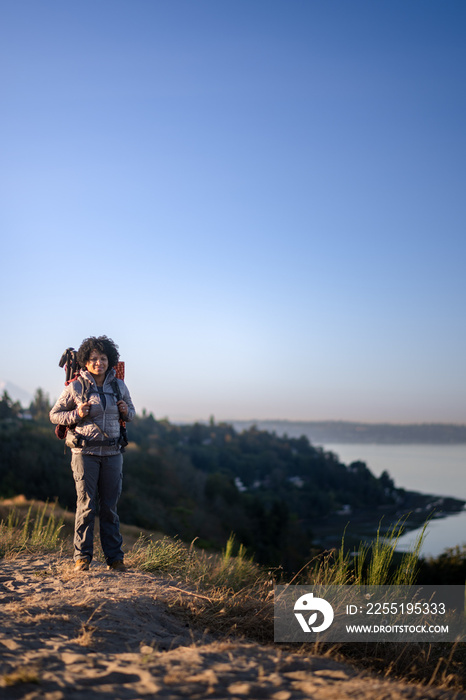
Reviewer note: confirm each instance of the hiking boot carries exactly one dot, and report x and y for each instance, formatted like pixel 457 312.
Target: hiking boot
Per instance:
pixel 81 565
pixel 117 565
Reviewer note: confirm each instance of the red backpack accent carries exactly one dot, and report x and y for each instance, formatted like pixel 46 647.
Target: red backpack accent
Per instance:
pixel 120 370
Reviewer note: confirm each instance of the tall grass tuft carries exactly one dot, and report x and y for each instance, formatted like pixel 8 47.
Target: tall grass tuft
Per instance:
pixel 165 555
pixel 229 570
pixel 372 565
pixel 39 530
pixel 235 571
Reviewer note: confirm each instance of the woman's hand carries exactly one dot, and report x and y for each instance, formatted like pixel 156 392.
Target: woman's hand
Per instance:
pixel 83 409
pixel 123 408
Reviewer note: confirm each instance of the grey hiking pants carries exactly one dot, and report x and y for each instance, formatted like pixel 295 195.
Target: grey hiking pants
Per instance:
pixel 98 482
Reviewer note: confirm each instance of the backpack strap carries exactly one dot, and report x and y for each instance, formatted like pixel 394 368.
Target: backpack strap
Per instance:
pixel 123 436
pixel 87 388
pixel 116 389
pixel 117 392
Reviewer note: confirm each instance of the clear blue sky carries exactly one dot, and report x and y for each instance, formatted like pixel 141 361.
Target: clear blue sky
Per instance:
pixel 262 202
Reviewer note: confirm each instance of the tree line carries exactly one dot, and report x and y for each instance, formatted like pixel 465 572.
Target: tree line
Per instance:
pixel 205 481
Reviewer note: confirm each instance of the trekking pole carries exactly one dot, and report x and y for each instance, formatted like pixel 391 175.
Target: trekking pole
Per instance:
pixel 69 362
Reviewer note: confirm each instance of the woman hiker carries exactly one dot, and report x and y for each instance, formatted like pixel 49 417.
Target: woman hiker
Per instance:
pixel 92 406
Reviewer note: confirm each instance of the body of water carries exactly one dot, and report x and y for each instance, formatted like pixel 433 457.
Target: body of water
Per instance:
pixel 433 469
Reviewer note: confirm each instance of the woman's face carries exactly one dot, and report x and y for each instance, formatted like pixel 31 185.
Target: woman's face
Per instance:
pixel 97 364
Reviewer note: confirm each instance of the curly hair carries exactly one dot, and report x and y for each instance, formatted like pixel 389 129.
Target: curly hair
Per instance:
pixel 101 344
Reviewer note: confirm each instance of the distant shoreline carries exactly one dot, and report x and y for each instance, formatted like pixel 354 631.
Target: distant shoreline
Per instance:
pixel 345 432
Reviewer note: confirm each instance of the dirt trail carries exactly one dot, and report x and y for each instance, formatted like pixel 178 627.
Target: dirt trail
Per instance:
pixel 99 634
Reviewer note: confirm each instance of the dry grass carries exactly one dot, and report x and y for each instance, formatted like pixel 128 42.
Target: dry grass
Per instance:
pixel 21 675
pixel 249 613
pixel 87 636
pixel 38 529
pixel 233 597
pixel 225 594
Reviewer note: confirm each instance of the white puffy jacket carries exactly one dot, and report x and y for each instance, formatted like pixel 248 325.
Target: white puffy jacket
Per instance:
pixel 102 424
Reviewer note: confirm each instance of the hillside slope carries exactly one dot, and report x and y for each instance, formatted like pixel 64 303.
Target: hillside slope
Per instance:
pixel 106 635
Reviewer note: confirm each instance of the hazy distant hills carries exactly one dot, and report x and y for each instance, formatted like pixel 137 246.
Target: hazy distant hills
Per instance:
pixel 328 431
pixel 340 432
pixel 15 392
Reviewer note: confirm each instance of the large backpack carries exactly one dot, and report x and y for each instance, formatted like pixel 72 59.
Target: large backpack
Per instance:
pixel 69 360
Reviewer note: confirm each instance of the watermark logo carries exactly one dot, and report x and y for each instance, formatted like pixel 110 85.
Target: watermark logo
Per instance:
pixel 307 603
pixel 352 613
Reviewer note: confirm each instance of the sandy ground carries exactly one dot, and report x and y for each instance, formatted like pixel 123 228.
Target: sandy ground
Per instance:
pixel 101 634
